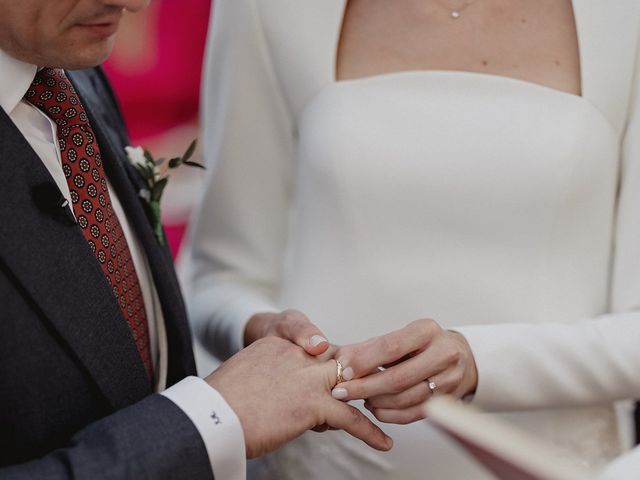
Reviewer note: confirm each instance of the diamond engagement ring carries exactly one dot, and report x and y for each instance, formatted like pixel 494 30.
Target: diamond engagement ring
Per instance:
pixel 339 378
pixel 432 386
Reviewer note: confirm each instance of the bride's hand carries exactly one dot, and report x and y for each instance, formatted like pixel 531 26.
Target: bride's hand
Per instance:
pixel 290 325
pixel 415 359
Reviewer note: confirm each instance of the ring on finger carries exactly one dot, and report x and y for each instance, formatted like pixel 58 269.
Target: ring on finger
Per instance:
pixel 432 386
pixel 340 368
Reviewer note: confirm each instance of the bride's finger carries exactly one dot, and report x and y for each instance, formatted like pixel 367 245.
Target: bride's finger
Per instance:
pixel 445 382
pixel 398 378
pixel 401 416
pixel 361 358
pixel 415 395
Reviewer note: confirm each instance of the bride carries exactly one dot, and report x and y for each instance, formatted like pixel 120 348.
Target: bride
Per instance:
pixel 375 162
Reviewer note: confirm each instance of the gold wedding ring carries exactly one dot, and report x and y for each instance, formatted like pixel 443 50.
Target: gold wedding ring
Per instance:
pixel 339 378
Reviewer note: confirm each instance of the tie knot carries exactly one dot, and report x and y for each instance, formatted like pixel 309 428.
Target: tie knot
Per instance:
pixel 52 92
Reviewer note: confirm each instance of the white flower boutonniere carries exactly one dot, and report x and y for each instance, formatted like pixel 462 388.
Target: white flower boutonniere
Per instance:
pixel 156 179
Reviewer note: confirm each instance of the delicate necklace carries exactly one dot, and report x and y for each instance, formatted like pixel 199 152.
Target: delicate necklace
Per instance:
pixel 455 12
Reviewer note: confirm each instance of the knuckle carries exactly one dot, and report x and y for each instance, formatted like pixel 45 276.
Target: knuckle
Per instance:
pixel 413 397
pixel 293 324
pixel 419 395
pixel 447 386
pixel 397 381
pixel 368 345
pixel 420 324
pixel 402 401
pixel 292 316
pixel 432 327
pixel 453 357
pixel 281 326
pixel 391 346
pixel 424 329
pixel 418 414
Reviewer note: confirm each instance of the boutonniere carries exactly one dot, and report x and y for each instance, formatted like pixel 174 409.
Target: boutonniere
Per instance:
pixel 155 174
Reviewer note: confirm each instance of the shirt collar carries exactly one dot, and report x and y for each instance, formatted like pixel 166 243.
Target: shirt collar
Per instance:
pixel 15 79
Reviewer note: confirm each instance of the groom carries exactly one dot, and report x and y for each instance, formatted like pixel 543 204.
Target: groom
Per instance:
pixel 92 324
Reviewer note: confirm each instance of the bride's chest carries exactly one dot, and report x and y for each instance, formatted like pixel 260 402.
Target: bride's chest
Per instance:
pixel 301 40
pixel 466 146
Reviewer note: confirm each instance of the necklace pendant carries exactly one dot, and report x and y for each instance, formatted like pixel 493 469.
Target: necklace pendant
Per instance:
pixel 455 14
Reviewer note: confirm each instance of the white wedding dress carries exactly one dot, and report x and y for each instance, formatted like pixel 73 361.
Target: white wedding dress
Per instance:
pixel 489 204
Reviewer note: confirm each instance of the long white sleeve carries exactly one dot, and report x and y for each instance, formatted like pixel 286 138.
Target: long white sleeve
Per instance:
pixel 625 467
pixel 241 226
pixel 523 366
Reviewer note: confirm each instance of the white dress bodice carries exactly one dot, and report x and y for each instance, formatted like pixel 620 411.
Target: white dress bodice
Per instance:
pixel 465 198
pixel 462 197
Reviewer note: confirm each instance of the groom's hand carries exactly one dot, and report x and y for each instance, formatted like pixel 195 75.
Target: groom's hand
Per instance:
pixel 278 392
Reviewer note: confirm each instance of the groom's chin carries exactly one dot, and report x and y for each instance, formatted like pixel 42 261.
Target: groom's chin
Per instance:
pixel 87 49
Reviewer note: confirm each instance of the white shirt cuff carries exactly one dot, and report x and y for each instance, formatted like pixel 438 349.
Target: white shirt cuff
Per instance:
pixel 217 424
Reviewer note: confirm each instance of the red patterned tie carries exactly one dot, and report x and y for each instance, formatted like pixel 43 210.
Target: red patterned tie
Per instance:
pixel 53 93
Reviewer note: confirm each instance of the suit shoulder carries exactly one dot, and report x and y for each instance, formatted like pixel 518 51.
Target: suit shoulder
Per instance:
pixel 95 81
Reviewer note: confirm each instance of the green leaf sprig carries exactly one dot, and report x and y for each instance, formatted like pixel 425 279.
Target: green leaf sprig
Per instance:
pixel 157 182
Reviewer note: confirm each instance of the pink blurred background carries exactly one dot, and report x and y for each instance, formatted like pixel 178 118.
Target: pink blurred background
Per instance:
pixel 155 70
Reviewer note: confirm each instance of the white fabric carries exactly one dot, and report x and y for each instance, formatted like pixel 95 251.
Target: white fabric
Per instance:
pixel 225 447
pixel 625 467
pixel 487 203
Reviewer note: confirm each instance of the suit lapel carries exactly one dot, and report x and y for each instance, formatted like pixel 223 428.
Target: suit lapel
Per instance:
pixel 127 184
pixel 60 276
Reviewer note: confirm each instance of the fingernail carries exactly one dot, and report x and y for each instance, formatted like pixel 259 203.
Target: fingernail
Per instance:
pixel 339 393
pixel 316 340
pixel 347 374
pixel 389 443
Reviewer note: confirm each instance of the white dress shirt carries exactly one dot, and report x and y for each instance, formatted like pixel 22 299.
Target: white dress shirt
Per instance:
pixel 222 435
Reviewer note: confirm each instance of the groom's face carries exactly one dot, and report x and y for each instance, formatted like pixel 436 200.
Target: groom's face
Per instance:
pixel 71 34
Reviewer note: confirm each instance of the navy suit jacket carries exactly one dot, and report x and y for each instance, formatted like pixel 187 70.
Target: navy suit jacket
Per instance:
pixel 75 401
